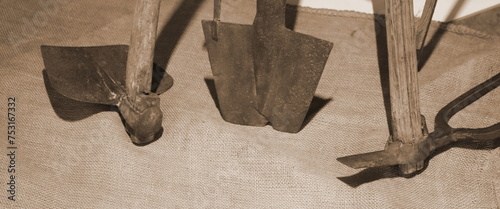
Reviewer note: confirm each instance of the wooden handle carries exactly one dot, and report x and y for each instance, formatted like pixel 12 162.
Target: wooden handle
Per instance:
pixel 270 13
pixel 217 8
pixel 425 22
pixel 141 50
pixel 215 23
pixel 403 80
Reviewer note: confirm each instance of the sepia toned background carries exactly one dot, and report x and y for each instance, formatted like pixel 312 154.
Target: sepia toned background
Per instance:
pixel 441 12
pixel 73 154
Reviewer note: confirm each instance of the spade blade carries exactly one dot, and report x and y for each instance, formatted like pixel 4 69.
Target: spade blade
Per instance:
pixel 232 67
pixel 289 68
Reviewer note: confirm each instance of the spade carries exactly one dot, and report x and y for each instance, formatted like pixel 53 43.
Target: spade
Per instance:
pixel 264 72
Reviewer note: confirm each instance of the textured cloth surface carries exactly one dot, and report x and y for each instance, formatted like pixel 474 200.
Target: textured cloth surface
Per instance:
pixel 73 154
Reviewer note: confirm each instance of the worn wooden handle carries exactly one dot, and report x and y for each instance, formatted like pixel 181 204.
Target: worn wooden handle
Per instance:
pixel 270 13
pixel 425 22
pixel 217 8
pixel 403 80
pixel 142 41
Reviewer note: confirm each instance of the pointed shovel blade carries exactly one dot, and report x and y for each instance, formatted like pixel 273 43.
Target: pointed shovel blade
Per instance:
pixel 289 68
pixel 232 67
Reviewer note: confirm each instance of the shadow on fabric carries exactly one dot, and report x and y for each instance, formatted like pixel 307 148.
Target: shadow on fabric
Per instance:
pixel 291 16
pixel 173 30
pixel 426 51
pixel 383 63
pixel 72 110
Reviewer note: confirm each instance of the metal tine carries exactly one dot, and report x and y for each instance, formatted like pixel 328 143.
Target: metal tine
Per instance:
pixel 469 97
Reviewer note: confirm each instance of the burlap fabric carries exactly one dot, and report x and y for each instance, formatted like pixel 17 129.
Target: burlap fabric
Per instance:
pixel 74 154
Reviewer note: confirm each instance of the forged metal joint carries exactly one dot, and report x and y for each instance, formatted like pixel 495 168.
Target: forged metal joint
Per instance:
pixel 142 117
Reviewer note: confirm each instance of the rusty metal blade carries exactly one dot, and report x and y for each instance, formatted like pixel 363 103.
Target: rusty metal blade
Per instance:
pixel 372 159
pixel 232 66
pixel 264 72
pixel 288 66
pixel 93 74
pixel 83 73
pixel 286 81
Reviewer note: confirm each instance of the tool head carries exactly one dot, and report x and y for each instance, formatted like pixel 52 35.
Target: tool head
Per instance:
pixel 397 153
pixel 264 72
pixel 142 117
pixel 97 75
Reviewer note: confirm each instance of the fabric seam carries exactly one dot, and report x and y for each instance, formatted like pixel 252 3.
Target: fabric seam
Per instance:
pixel 449 27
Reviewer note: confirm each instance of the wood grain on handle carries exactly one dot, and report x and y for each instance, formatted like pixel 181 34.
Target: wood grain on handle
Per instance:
pixel 270 14
pixel 141 48
pixel 424 22
pixel 403 80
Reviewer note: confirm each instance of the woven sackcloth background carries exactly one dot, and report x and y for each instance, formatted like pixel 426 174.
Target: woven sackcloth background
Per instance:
pixel 73 154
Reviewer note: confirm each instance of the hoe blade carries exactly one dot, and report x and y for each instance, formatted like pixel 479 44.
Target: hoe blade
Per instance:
pixel 94 74
pixel 87 74
pixel 372 159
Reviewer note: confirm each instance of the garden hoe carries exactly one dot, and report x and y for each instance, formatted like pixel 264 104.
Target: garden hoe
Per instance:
pixel 410 143
pixel 264 72
pixel 117 75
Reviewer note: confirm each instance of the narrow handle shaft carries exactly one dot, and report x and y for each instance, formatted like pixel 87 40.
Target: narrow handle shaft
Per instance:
pixel 215 23
pixel 142 41
pixel 425 22
pixel 217 8
pixel 270 13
